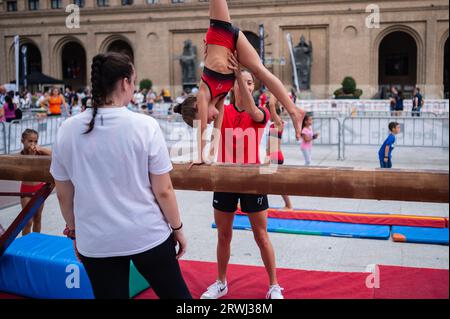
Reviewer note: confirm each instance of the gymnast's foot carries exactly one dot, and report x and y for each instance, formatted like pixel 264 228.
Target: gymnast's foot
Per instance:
pixel 275 292
pixel 287 208
pixel 216 290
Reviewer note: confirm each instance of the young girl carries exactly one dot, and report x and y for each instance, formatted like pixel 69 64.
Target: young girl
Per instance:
pixel 223 40
pixel 273 149
pixel 307 138
pixel 30 147
pixel 242 115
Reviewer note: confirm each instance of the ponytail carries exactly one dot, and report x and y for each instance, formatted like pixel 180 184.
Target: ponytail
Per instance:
pixel 106 70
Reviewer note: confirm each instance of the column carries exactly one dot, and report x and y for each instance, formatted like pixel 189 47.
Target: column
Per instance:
pixel 44 4
pixel 46 56
pixel 115 3
pixel 3 60
pixel 90 3
pixel 91 51
pixel 431 89
pixel 22 5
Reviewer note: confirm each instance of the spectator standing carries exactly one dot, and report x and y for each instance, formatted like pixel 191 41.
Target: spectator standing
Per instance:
pixel 393 100
pixel 9 109
pixel 385 152
pixel 150 98
pixel 418 102
pixel 55 100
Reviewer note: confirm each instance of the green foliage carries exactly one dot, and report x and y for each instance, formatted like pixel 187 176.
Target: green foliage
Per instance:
pixel 349 85
pixel 145 84
pixel 348 90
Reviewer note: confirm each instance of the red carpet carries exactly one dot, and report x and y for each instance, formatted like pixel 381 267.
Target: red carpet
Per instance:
pixel 412 283
pixel 249 282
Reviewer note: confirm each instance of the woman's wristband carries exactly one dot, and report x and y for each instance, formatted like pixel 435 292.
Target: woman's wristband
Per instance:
pixel 70 233
pixel 178 228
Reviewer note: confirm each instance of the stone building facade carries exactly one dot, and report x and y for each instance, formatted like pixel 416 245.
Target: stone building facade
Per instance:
pixel 406 44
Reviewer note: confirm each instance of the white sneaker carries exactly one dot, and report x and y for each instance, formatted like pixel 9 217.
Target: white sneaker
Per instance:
pixel 275 292
pixel 216 291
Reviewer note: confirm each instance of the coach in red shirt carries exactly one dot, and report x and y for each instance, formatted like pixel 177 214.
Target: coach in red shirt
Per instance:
pixel 242 126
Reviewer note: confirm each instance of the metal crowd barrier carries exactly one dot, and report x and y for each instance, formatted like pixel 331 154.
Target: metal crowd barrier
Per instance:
pixel 415 131
pixel 47 127
pixel 375 114
pixel 328 127
pixel 434 106
pixel 342 131
pixel 175 130
pixel 3 143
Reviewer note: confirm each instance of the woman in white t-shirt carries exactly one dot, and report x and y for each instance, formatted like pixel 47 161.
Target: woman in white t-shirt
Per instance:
pixel 111 167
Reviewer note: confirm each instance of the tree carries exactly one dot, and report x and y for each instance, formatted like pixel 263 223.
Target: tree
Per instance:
pixel 348 90
pixel 146 84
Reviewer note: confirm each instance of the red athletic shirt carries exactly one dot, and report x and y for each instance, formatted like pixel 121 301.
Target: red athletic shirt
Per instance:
pixel 240 136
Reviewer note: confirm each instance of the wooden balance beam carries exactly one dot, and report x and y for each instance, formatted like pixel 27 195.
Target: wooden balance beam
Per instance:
pixel 379 184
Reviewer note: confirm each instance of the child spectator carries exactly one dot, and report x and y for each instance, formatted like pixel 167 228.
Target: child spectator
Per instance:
pixel 385 152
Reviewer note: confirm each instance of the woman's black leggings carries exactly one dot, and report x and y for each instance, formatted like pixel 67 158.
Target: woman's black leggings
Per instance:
pixel 110 276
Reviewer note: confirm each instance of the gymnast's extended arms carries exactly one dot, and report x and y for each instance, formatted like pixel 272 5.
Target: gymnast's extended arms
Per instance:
pixel 248 104
pixel 273 112
pixel 215 136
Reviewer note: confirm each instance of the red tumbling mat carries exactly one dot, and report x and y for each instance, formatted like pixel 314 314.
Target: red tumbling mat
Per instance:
pixel 250 282
pixel 4 295
pixel 412 283
pixel 359 218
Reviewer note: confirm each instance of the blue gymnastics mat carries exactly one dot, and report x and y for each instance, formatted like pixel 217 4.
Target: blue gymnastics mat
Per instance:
pixel 320 228
pixel 45 267
pixel 421 235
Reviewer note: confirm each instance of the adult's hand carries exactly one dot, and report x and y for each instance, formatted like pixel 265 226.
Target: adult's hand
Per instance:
pixel 233 64
pixel 180 240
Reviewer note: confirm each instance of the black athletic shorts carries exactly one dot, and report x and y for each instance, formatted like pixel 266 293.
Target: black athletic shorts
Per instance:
pixel 227 202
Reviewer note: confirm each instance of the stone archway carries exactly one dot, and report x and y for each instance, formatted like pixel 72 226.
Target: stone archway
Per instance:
pixel 375 63
pixel 118 43
pixel 73 65
pixel 34 58
pixel 398 59
pixel 61 53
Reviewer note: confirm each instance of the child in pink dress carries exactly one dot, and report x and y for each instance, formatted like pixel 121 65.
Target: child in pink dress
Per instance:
pixel 307 138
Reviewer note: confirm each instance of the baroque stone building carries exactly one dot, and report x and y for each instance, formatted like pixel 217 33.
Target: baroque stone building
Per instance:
pixel 406 44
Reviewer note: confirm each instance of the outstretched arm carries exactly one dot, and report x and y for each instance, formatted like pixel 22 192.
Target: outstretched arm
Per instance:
pixel 216 132
pixel 202 107
pixel 249 58
pixel 248 103
pixel 273 112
